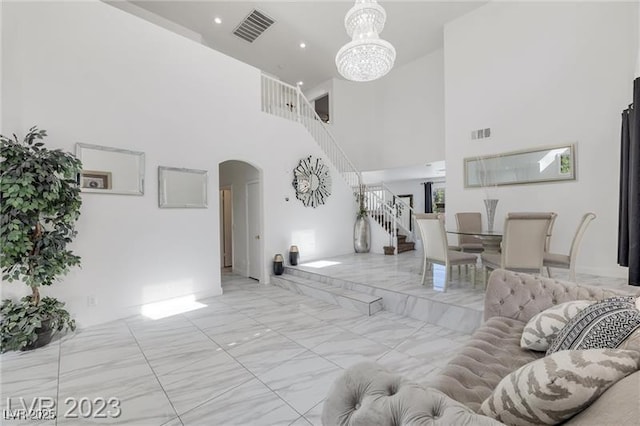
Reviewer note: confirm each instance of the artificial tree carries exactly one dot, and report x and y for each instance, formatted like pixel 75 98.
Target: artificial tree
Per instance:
pixel 40 204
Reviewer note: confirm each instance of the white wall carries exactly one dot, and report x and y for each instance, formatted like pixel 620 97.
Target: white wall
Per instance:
pixel 88 72
pixel 412 116
pixel 396 121
pixel 541 74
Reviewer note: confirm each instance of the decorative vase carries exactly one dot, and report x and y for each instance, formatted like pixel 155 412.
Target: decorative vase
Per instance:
pixel 293 255
pixel 278 264
pixel 362 235
pixel 490 205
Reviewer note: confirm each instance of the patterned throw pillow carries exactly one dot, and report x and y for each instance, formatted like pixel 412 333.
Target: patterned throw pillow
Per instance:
pixel 545 326
pixel 605 324
pixel 552 389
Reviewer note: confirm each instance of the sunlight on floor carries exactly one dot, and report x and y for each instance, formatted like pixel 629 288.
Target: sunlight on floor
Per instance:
pixel 439 273
pixel 171 307
pixel 320 264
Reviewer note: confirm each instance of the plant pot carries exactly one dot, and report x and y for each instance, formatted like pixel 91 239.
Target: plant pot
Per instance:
pixel 362 235
pixel 389 250
pixel 45 333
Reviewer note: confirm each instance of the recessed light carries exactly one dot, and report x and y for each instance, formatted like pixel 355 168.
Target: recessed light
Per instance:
pixel 300 83
pixel 217 20
pixel 303 45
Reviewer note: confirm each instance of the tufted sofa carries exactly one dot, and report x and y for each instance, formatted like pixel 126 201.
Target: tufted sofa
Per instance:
pixel 367 394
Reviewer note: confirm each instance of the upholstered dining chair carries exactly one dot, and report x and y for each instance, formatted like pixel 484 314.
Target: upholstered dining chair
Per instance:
pixel 523 244
pixel 469 222
pixel 556 260
pixel 434 242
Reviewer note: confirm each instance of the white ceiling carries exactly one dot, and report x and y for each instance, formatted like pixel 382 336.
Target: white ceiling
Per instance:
pixel 415 29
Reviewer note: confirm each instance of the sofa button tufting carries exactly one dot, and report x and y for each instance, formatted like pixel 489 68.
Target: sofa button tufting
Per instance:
pixel 512 291
pixel 521 308
pixel 501 302
pixel 533 297
pixel 357 406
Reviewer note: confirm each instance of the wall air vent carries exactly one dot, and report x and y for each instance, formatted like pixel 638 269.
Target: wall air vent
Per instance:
pixel 253 26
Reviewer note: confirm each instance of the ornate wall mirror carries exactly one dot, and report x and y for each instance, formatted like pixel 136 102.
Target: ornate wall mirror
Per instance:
pixel 537 165
pixel 312 181
pixel 182 188
pixel 109 170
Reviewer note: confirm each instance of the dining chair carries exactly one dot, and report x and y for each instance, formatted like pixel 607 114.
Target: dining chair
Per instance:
pixel 469 222
pixel 523 244
pixel 556 260
pixel 435 247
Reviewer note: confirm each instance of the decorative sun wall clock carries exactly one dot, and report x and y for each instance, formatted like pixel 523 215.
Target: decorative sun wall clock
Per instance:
pixel 312 181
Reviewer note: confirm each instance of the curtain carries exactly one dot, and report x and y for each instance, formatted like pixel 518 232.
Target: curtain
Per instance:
pixel 428 198
pixel 629 203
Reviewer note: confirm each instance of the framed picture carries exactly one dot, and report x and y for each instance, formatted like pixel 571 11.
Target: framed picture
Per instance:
pixel 93 179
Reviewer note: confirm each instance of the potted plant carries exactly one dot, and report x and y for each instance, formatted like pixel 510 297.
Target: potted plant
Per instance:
pixel 40 204
pixel 362 227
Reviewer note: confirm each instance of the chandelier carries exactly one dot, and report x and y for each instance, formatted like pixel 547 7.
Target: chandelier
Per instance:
pixel 366 57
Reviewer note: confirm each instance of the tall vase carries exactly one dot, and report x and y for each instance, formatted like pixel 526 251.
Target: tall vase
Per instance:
pixel 490 205
pixel 362 235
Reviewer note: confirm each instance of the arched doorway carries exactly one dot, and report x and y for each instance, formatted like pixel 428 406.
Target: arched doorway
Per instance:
pixel 241 219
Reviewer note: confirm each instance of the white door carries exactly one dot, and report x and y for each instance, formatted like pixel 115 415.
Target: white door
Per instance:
pixel 226 203
pixel 253 229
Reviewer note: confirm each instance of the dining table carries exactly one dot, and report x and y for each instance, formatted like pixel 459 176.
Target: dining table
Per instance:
pixel 491 240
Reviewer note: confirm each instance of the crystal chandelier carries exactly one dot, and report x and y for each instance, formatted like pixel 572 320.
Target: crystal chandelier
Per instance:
pixel 366 57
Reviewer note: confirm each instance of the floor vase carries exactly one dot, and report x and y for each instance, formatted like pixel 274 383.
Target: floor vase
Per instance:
pixel 362 235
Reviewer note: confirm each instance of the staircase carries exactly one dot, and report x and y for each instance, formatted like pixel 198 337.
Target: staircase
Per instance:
pixel 382 204
pixel 404 245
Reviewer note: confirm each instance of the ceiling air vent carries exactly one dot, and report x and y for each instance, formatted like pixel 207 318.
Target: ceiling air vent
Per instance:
pixel 253 26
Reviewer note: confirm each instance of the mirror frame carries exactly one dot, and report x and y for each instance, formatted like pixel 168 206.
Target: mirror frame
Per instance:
pixel 107 175
pixel 162 196
pixel 571 175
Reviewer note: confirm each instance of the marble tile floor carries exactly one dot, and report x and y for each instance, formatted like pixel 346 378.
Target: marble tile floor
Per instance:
pixel 256 355
pixel 403 273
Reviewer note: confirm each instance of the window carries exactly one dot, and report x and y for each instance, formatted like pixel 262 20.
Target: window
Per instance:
pixel 438 199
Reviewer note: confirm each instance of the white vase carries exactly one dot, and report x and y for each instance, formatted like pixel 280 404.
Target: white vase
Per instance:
pixel 490 204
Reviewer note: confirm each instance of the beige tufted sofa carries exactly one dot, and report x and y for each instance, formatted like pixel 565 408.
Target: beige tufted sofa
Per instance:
pixel 368 394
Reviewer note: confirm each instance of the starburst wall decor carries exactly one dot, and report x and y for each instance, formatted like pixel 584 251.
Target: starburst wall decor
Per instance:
pixel 312 181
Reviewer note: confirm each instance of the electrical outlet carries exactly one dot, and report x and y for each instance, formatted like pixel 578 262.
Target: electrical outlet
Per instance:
pixel 91 301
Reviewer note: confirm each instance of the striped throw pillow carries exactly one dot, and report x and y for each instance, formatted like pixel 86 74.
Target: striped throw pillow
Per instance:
pixel 545 326
pixel 554 388
pixel 605 324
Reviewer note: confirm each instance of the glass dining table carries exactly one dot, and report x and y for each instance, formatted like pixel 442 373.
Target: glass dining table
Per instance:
pixel 490 239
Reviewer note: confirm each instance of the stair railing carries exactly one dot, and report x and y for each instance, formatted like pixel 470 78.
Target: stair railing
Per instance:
pixel 289 102
pixel 383 213
pixel 383 195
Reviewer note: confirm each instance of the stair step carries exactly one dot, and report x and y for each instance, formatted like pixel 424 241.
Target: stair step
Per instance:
pixel 363 303
pixel 402 247
pixel 401 238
